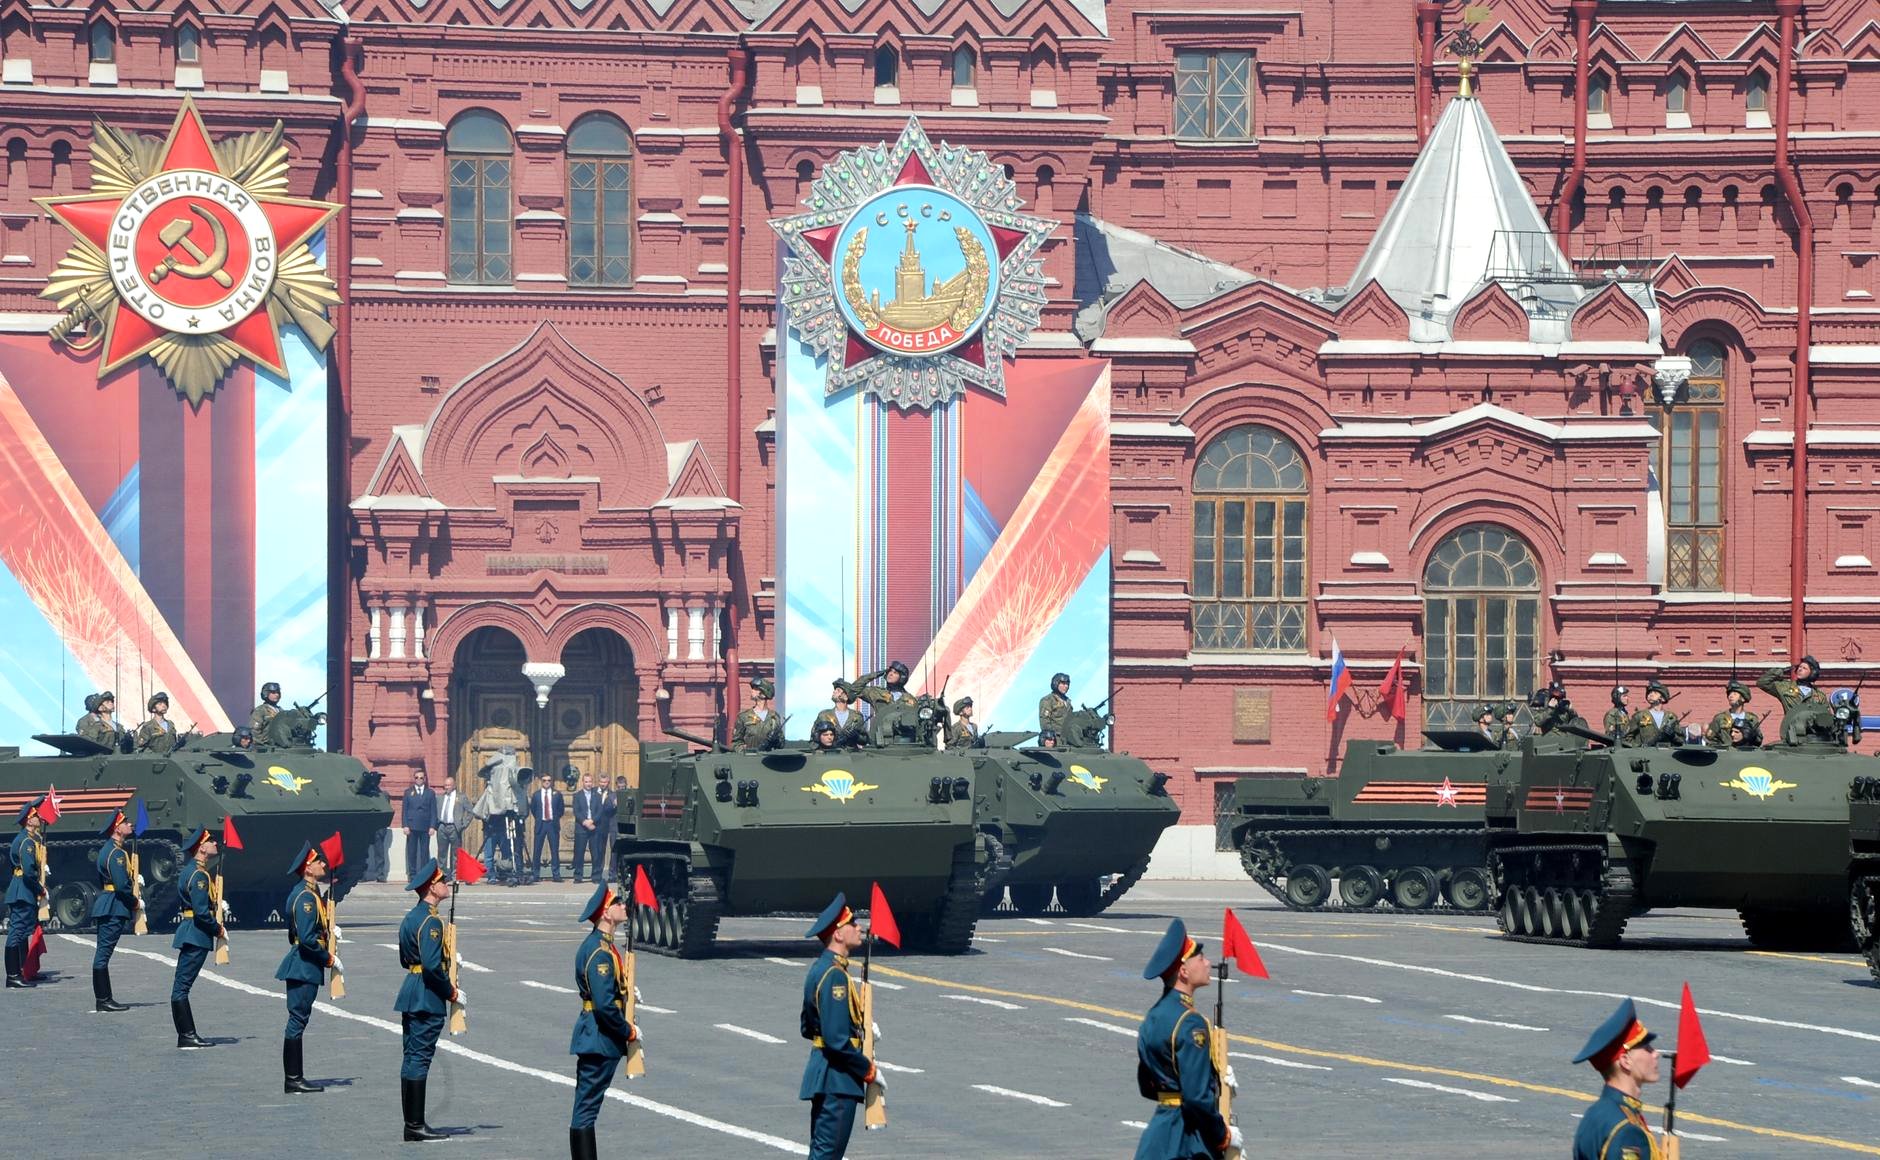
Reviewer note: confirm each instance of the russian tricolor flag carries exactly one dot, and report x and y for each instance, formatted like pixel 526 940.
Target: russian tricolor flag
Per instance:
pixel 1341 682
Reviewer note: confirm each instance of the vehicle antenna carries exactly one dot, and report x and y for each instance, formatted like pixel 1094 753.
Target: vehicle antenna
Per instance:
pixel 842 625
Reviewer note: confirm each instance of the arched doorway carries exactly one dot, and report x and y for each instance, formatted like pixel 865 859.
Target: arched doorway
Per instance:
pixel 592 723
pixel 1481 624
pixel 492 707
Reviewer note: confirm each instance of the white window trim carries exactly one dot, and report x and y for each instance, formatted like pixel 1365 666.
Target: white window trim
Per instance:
pixel 887 94
pixel 102 72
pixel 965 98
pixel 189 76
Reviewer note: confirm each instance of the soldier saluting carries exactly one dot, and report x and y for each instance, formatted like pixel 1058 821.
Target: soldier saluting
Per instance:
pixel 1737 716
pixel 156 734
pixel 267 710
pixel 310 954
pixel 1054 708
pixel 758 728
pixel 1802 702
pixel 1174 1066
pixel 891 692
pixel 116 903
pixel 837 1073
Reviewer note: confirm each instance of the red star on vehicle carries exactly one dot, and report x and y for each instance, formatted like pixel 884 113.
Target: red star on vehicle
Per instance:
pixel 1446 794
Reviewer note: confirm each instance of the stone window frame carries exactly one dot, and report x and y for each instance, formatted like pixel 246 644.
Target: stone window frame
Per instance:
pixel 1201 110
pixel 1599 99
pixel 1696 423
pixel 1453 595
pixel 608 161
pixel 478 169
pixel 1262 616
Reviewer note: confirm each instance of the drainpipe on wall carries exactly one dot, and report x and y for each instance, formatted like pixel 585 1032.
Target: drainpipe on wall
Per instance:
pixel 1786 12
pixel 339 372
pixel 734 355
pixel 1427 16
pixel 1576 172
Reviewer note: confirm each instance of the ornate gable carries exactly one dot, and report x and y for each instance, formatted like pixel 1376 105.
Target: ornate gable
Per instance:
pixel 1259 323
pixel 1674 277
pixel 1762 42
pixel 915 18
pixel 1490 315
pixel 1863 45
pixel 398 473
pixel 710 16
pixel 1607 43
pixel 1504 44
pixel 691 474
pixel 1683 41
pixel 1610 316
pixel 1372 313
pixel 1550 46
pixel 1142 312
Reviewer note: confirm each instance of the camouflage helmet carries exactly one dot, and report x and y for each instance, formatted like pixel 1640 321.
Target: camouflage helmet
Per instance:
pixel 107 695
pixel 1660 688
pixel 898 667
pixel 91 702
pixel 1060 679
pixel 962 704
pixel 1485 709
pixel 157 698
pixel 763 687
pixel 271 687
pixel 1509 708
pixel 1738 687
pixel 1618 695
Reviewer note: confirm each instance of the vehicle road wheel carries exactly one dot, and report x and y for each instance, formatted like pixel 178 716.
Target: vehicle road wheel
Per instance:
pixel 1553 914
pixel 71 904
pixel 159 866
pixel 1032 898
pixel 1359 887
pixel 1413 888
pixel 1511 911
pixel 1536 910
pixel 1081 898
pixel 1308 886
pixel 1467 888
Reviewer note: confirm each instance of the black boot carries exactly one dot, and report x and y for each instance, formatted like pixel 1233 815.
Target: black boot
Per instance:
pixel 296 1082
pixel 13 969
pixel 185 1021
pixel 411 1092
pixel 101 990
pixel 581 1144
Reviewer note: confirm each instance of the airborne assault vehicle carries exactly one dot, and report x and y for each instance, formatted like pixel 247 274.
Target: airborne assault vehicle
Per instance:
pixel 280 793
pixel 1863 886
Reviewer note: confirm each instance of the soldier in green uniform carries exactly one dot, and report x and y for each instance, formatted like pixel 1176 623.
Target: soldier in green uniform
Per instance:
pixel 1174 1063
pixel 1510 725
pixel 892 692
pixel 963 731
pixel 1804 706
pixel 198 925
pixel 823 735
pixel 1485 724
pixel 1614 1128
pixel 837 1074
pixel 24 889
pixel 602 1030
pixel 425 997
pixel 97 724
pixel 156 734
pixel 1552 711
pixel 267 710
pixel 311 953
pixel 1054 708
pixel 1737 716
pixel 839 714
pixel 1616 717
pixel 1654 724
pixel 758 728
pixel 116 903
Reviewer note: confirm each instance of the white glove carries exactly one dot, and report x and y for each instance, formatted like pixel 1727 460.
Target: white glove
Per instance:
pixel 636 994
pixel 1230 1081
pixel 456 960
pixel 221 910
pixel 1234 1138
pixel 461 999
pixel 141 883
pixel 874 1029
pixel 338 937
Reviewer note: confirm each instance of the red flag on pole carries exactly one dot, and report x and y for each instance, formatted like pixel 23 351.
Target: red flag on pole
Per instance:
pixel 881 922
pixel 1236 944
pixel 333 850
pixel 643 889
pixel 230 839
pixel 1392 694
pixel 1693 1050
pixel 469 870
pixel 47 809
pixel 35 950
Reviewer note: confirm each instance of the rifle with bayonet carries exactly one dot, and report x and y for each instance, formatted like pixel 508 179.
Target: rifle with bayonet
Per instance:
pixel 458 1021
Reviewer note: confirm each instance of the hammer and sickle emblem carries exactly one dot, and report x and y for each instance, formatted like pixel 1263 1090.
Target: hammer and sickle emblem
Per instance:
pixel 207 265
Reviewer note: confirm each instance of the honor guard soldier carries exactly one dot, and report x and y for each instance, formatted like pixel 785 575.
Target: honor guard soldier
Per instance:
pixel 310 955
pixel 97 724
pixel 1737 716
pixel 1654 724
pixel 267 710
pixel 1054 708
pixel 963 732
pixel 758 727
pixel 115 905
pixel 602 1031
pixel 837 1073
pixel 1174 1063
pixel 25 891
pixel 1614 1127
pixel 198 925
pixel 1618 715
pixel 426 995
pixel 156 734
pixel 823 735
pixel 892 692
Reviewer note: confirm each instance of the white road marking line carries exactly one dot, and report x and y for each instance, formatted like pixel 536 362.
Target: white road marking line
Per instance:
pixel 567 1081
pixel 531 922
pixel 887 986
pixel 1539 989
pixel 1136 1124
pixel 1484 1097
pixel 1026 1096
pixel 467 965
pixel 1276 1061
pixel 983 938
pixel 1329 995
pixel 549 987
pixel 747 1033
pixel 782 962
pixel 886 1066
pixel 999 1003
pixel 1040 922
pixel 1104 929
pixel 1076 954
pixel 389 946
pixel 1859 1082
pixel 1681 1134
pixel 1733 1062
pixel 1100 1025
pixel 1495 1023
pixel 638 1007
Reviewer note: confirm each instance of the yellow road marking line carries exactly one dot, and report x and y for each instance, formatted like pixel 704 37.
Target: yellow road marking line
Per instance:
pixel 1849 961
pixel 1393 1065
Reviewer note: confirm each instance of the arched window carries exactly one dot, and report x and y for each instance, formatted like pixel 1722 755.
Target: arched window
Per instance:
pixel 1693 474
pixel 600 184
pixel 1481 623
pixel 188 45
pixel 1756 92
pixel 1249 580
pixel 1599 95
pixel 477 148
pixel 965 67
pixel 103 42
pixel 887 67
pixel 1678 101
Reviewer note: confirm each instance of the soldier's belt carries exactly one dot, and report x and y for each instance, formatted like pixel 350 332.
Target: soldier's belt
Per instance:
pixel 189 914
pixel 1169 1099
pixel 109 888
pixel 417 969
pixel 18 873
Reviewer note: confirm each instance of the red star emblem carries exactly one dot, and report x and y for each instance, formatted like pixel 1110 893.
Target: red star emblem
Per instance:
pixel 189 250
pixel 1446 794
pixel 1560 800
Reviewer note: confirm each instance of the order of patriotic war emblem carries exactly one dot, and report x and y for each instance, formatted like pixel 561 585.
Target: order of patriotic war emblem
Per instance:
pixel 191 252
pixel 913 275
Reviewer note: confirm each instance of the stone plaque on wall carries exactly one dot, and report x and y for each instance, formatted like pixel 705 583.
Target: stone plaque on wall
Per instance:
pixel 1253 715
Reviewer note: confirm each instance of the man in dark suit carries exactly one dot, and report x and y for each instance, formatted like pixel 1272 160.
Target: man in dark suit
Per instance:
pixel 587 816
pixel 420 818
pixel 546 806
pixel 604 840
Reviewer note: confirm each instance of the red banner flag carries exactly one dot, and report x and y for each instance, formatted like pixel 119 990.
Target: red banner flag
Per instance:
pixel 643 889
pixel 230 839
pixel 1393 693
pixel 1693 1050
pixel 1236 945
pixel 35 950
pixel 47 809
pixel 333 850
pixel 881 922
pixel 469 870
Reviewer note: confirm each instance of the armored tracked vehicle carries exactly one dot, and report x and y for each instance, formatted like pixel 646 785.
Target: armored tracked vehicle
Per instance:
pixel 1863 879
pixel 281 793
pixel 1077 820
pixel 1398 829
pixel 779 832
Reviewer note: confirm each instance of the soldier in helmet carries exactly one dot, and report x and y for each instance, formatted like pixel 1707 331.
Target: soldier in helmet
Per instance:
pixel 267 710
pixel 1047 739
pixel 839 714
pixel 1553 711
pixel 963 731
pixel 1737 717
pixel 892 692
pixel 244 737
pixel 1510 725
pixel 99 724
pixel 1654 724
pixel 758 728
pixel 824 735
pixel 1485 724
pixel 1054 708
pixel 1803 702
pixel 156 734
pixel 1616 717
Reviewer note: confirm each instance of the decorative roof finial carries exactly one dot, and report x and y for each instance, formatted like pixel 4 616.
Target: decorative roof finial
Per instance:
pixel 1467 50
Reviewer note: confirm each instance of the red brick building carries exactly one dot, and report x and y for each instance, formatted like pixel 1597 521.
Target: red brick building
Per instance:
pixel 554 372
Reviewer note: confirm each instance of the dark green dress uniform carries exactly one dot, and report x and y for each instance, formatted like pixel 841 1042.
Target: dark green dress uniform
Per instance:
pixel 24 893
pixel 837 1074
pixel 1614 726
pixel 115 905
pixel 96 727
pixel 196 927
pixel 1054 709
pixel 309 957
pixel 423 999
pixel 156 735
pixel 1175 1068
pixel 601 1032
pixel 754 733
pixel 1614 1127
pixel 1644 729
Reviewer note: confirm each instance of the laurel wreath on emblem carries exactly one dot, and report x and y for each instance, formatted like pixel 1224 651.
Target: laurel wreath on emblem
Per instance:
pixel 814 289
pixel 81 285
